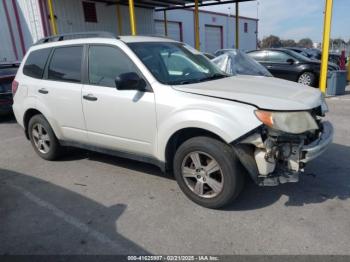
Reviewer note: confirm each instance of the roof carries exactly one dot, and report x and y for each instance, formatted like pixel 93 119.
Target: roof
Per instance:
pixel 133 39
pixel 169 4
pixel 100 36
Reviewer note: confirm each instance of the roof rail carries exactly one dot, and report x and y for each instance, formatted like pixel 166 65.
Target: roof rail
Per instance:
pixel 70 36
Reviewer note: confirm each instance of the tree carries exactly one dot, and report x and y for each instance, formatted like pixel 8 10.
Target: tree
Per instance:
pixel 288 43
pixel 337 43
pixel 271 41
pixel 305 42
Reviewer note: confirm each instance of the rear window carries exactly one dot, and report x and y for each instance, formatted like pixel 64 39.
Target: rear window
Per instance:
pixel 35 63
pixel 65 64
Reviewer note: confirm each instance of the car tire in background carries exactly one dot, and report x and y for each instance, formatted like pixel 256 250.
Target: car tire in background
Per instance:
pixel 307 78
pixel 43 139
pixel 208 172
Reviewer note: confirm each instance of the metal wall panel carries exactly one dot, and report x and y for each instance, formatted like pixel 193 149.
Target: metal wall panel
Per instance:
pixel 247 40
pixel 7 52
pixel 70 18
pixel 25 20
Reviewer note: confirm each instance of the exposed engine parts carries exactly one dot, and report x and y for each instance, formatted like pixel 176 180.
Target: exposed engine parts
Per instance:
pixel 272 157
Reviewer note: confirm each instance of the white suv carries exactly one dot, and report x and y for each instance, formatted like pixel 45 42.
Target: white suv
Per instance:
pixel 160 101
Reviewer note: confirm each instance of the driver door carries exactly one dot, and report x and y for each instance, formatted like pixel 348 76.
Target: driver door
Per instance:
pixel 123 120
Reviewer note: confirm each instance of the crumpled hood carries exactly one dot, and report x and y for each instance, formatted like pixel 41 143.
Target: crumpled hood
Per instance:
pixel 263 92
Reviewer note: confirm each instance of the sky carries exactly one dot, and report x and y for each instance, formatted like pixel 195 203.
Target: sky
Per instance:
pixel 294 19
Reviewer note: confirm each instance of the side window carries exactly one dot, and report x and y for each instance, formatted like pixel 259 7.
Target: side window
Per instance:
pixel 106 63
pixel 278 57
pixel 35 63
pixel 65 64
pixel 258 55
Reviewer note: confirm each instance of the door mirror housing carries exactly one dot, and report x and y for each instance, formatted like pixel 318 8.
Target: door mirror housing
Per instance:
pixel 290 61
pixel 130 81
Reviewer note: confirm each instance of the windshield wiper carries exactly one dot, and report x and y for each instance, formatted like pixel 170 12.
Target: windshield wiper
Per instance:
pixel 213 77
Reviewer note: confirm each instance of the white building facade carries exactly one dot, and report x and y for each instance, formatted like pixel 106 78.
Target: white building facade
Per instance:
pixel 23 22
pixel 216 30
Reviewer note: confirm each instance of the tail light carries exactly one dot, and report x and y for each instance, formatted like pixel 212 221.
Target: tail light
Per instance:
pixel 14 87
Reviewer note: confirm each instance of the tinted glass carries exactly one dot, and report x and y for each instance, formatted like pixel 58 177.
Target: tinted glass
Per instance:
pixel 258 55
pixel 175 63
pixel 106 63
pixel 35 63
pixel 65 64
pixel 278 57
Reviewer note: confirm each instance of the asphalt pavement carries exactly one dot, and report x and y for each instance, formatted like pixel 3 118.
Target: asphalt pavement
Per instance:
pixel 89 203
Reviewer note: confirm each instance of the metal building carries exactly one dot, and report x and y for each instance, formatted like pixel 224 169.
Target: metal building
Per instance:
pixel 25 21
pixel 216 30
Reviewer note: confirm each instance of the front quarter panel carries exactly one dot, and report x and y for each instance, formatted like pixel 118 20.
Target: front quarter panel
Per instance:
pixel 177 110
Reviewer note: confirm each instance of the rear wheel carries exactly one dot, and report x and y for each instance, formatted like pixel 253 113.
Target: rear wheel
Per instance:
pixel 208 172
pixel 43 138
pixel 307 78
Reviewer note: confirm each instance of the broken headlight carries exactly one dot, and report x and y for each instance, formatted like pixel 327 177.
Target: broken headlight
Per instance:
pixel 289 122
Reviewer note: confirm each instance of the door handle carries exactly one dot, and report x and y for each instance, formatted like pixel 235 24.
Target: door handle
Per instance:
pixel 269 66
pixel 90 97
pixel 43 91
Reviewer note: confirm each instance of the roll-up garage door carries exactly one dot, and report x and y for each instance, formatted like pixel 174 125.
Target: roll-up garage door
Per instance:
pixel 213 38
pixel 174 29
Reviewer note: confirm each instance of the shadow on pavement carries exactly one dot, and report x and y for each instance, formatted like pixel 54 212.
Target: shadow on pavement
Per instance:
pixel 38 217
pixel 327 177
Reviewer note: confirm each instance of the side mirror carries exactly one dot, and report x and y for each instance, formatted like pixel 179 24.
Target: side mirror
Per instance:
pixel 290 61
pixel 130 81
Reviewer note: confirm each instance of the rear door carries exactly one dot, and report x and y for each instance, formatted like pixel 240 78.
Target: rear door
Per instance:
pixel 123 120
pixel 277 63
pixel 59 92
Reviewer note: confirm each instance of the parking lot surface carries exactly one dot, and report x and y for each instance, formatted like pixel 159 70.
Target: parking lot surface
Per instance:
pixel 89 203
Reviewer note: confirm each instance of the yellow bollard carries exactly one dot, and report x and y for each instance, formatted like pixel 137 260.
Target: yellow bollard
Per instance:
pixel 132 17
pixel 52 18
pixel 325 45
pixel 196 25
pixel 165 24
pixel 237 25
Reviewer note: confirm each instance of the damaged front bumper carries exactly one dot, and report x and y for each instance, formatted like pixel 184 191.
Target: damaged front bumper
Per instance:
pixel 273 157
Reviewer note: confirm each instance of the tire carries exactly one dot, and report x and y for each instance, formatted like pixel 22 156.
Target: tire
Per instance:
pixel 307 78
pixel 226 171
pixel 43 139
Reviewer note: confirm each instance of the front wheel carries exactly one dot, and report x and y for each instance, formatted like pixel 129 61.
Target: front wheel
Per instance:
pixel 307 78
pixel 208 172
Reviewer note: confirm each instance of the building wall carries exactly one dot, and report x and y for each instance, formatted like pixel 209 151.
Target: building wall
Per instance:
pixel 247 40
pixel 70 18
pixel 25 21
pixel 29 20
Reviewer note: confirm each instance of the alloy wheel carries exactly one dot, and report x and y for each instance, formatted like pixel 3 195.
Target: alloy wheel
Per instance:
pixel 305 79
pixel 41 138
pixel 202 174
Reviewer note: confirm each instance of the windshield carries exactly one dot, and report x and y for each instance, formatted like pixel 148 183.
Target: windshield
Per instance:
pixel 237 62
pixel 176 63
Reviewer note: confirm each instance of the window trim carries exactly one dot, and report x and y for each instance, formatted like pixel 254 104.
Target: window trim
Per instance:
pixel 86 67
pixel 45 65
pixel 46 72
